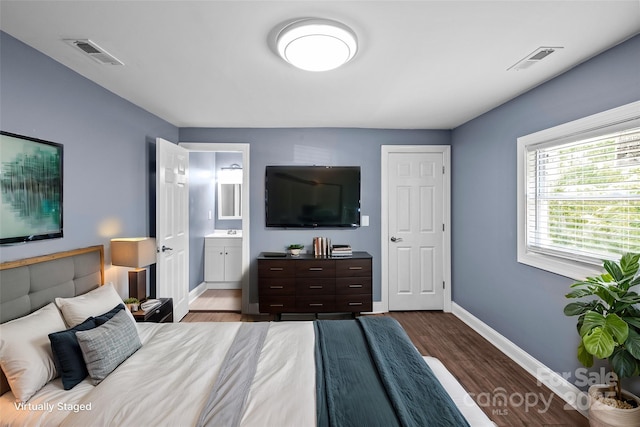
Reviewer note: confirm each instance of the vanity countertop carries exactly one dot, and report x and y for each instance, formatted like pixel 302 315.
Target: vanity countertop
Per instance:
pixel 225 234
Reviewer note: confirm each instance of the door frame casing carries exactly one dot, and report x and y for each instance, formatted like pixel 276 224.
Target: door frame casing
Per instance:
pixel 445 150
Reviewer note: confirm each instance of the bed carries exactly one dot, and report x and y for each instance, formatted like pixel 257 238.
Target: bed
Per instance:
pixel 323 373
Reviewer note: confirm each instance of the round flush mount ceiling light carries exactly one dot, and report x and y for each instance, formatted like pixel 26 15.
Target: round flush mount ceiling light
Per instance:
pixel 316 44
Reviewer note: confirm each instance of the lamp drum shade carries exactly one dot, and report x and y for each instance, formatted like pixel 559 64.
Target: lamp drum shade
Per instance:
pixel 133 252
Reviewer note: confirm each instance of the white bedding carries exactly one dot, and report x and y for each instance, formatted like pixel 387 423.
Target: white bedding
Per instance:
pixel 168 380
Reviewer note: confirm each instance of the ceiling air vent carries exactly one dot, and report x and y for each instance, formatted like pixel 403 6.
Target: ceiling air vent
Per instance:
pixel 94 51
pixel 533 58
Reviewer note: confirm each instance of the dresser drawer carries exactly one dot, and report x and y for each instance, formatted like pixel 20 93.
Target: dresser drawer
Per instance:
pixel 315 304
pixel 277 286
pixel 353 285
pixel 353 267
pixel 316 268
pixel 354 303
pixel 277 304
pixel 276 268
pixel 315 286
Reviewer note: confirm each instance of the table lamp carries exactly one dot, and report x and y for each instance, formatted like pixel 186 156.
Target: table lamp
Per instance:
pixel 135 252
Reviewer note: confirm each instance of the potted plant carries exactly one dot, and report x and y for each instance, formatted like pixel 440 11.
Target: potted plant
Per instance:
pixel 132 304
pixel 295 249
pixel 609 328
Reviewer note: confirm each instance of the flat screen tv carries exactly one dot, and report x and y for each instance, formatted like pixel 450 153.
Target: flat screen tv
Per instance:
pixel 312 196
pixel 31 189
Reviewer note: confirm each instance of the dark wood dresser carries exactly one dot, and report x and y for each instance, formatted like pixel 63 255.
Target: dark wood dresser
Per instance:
pixel 307 284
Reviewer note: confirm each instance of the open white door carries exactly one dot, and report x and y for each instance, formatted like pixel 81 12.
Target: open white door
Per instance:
pixel 172 225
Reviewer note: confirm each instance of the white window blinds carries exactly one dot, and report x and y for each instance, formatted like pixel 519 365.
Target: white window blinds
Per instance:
pixel 583 196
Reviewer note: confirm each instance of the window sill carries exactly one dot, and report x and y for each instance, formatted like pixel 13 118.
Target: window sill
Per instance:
pixel 564 267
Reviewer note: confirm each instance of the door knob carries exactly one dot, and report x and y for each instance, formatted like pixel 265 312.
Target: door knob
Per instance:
pixel 396 239
pixel 165 248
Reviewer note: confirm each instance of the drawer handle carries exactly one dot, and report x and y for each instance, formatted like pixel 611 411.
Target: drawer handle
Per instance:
pixel 276 287
pixel 355 268
pixel 355 286
pixel 355 303
pixel 276 268
pixel 316 286
pixel 315 268
pixel 276 305
pixel 317 304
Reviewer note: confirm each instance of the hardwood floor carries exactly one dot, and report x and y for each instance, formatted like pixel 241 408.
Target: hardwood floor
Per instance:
pixel 229 300
pixel 505 392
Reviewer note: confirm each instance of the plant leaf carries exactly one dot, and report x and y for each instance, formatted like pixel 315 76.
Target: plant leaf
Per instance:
pixel 636 280
pixel 591 320
pixel 579 293
pixel 617 327
pixel 577 308
pixel 632 321
pixel 613 269
pixel 629 263
pixel 623 363
pixel 599 342
pixel 584 356
pixel 631 298
pixel 632 344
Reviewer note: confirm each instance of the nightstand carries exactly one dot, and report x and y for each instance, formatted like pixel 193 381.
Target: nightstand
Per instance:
pixel 160 314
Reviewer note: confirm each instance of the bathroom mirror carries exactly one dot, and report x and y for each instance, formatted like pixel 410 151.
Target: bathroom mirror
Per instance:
pixel 229 201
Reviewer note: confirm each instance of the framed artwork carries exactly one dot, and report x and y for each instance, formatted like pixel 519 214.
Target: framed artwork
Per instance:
pixel 31 184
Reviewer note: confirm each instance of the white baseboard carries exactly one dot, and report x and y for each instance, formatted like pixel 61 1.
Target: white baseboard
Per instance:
pixel 544 375
pixel 224 285
pixel 197 291
pixel 378 307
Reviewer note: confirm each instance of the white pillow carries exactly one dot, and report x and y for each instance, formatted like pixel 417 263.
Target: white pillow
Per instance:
pixel 25 351
pixel 78 309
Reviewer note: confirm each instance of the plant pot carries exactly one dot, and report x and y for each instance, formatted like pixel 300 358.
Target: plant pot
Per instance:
pixel 294 252
pixel 602 415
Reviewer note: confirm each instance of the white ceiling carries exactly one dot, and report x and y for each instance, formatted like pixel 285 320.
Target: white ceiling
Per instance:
pixel 420 65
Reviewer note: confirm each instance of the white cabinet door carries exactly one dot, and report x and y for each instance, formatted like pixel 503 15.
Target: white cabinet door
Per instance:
pixel 214 263
pixel 232 263
pixel 223 261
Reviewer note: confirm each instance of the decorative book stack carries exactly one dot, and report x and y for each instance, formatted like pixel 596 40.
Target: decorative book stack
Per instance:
pixel 341 251
pixel 321 247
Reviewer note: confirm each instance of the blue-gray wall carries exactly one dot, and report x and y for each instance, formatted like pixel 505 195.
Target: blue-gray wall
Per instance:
pixel 105 138
pixel 523 303
pixel 327 146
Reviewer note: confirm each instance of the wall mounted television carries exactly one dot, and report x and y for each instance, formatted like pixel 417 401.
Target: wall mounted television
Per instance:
pixel 31 172
pixel 312 196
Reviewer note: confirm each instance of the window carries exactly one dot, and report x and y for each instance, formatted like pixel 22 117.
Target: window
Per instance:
pixel 579 193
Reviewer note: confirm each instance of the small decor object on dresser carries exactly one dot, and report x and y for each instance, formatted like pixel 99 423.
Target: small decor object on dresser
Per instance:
pixel 321 246
pixel 341 251
pixel 162 312
pixel 132 304
pixel 295 249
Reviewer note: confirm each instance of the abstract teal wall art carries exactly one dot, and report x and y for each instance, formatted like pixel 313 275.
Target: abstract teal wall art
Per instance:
pixel 31 183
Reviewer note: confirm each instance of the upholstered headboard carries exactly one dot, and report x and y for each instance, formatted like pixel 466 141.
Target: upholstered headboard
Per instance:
pixel 29 284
